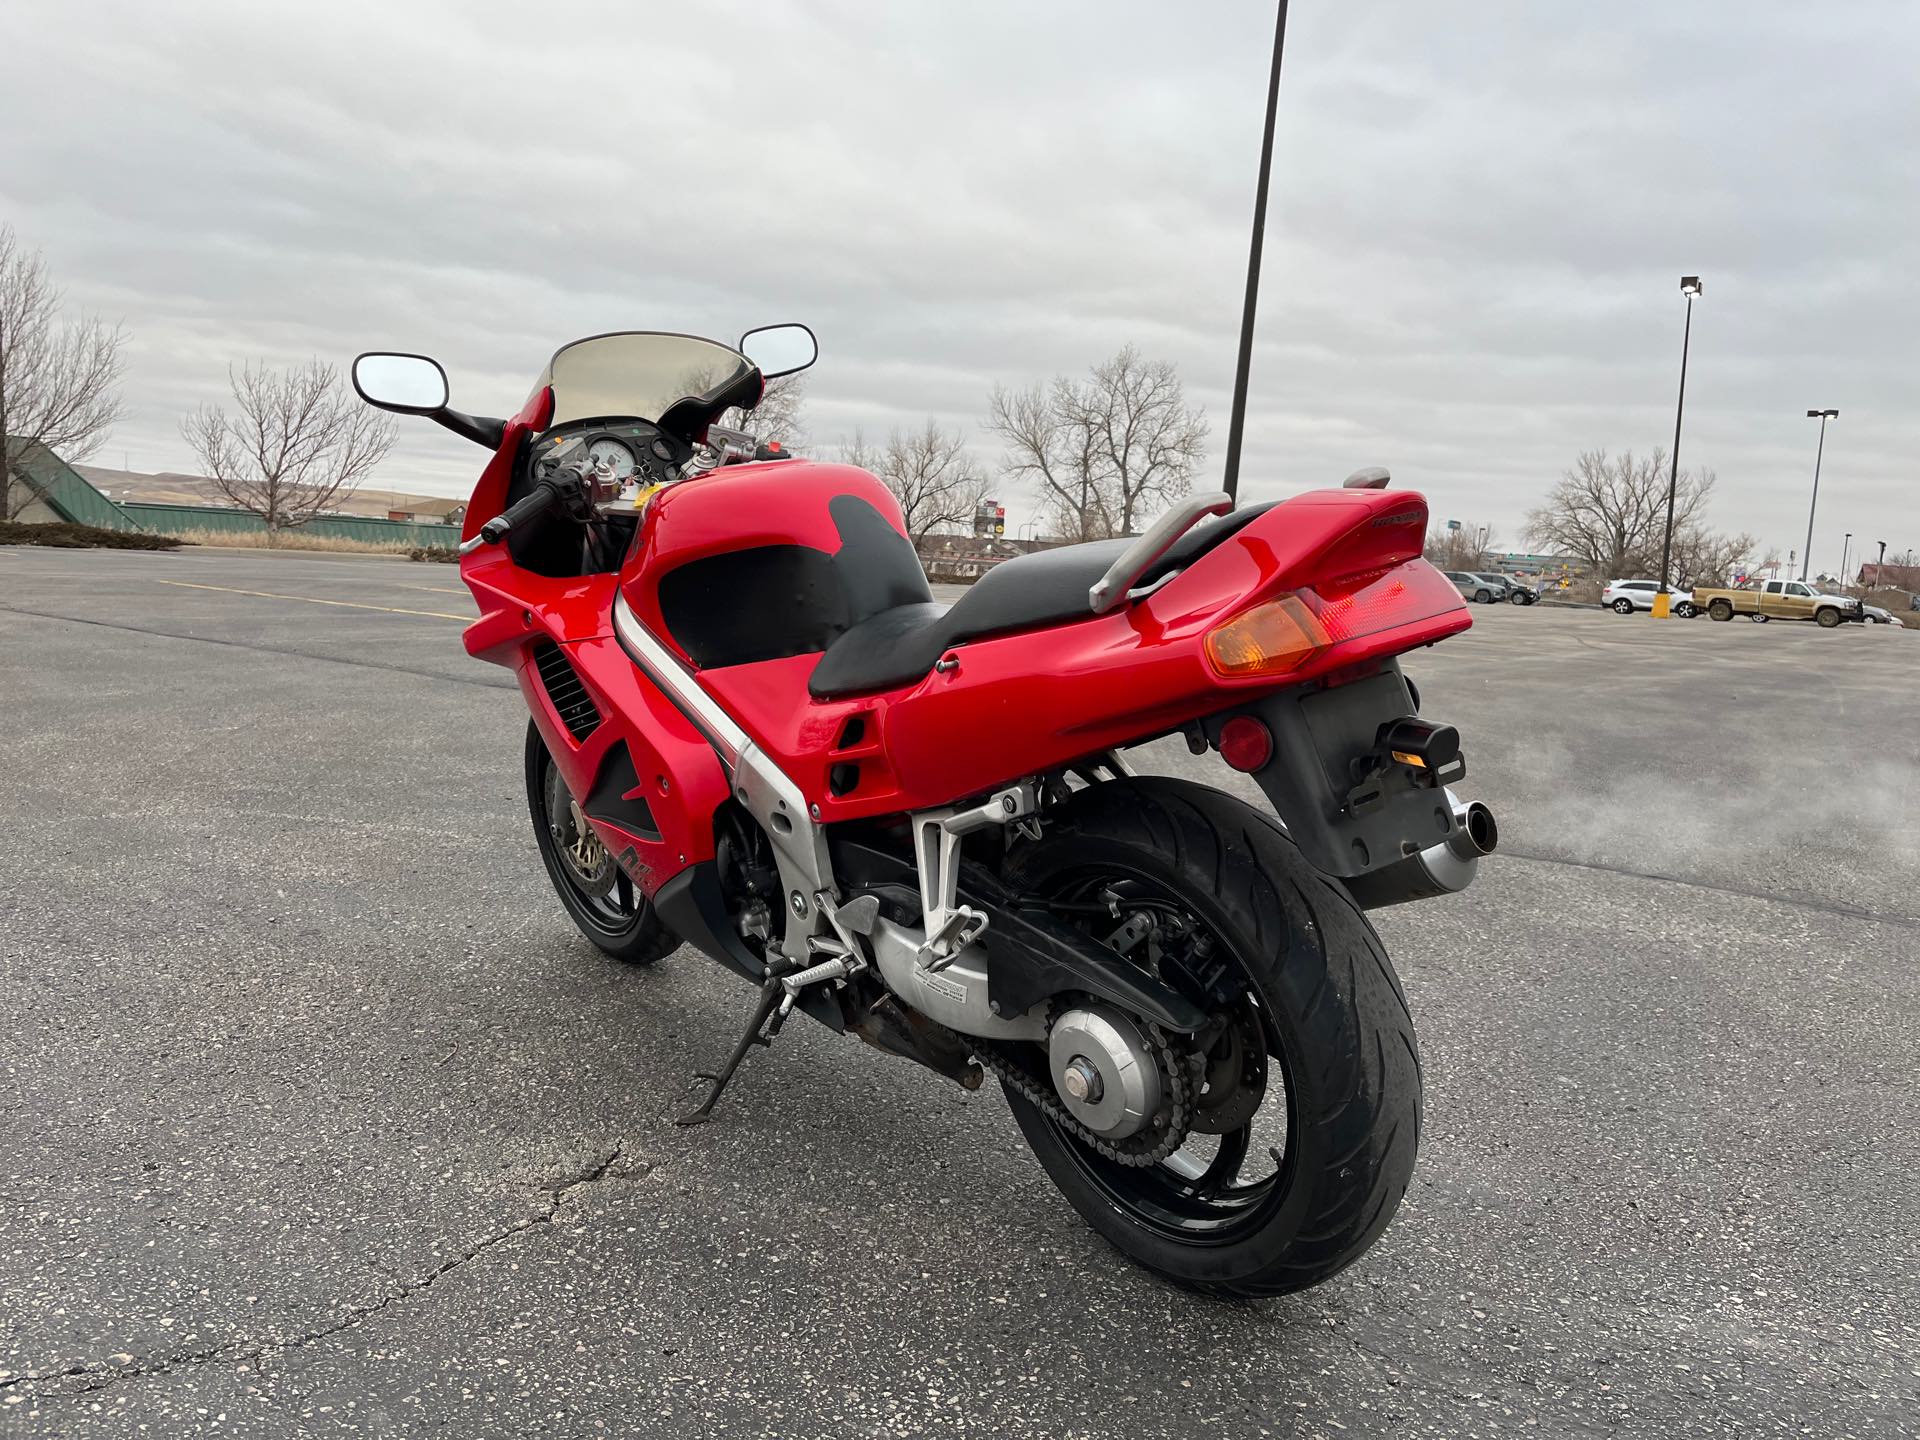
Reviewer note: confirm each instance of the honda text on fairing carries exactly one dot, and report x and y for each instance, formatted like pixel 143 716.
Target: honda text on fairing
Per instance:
pixel 755 732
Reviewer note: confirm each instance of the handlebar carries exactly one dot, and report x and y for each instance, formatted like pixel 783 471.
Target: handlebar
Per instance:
pixel 519 515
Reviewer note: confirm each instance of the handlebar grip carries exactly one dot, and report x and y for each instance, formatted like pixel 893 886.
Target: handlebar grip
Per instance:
pixel 517 515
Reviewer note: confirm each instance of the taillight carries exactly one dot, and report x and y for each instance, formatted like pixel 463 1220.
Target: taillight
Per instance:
pixel 1281 635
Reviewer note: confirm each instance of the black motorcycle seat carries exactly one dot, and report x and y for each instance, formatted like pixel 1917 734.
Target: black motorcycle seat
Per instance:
pixel 1029 592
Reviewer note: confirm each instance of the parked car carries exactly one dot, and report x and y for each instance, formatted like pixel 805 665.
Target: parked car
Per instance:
pixel 1623 597
pixel 1875 615
pixel 1520 592
pixel 1487 589
pixel 1781 600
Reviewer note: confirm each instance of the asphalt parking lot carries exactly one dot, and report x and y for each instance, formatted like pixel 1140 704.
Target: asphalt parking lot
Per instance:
pixel 319 1119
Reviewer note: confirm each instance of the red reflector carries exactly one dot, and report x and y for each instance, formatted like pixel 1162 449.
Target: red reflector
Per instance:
pixel 1245 743
pixel 1356 606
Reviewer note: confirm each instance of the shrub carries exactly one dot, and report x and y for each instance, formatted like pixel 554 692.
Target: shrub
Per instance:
pixel 66 536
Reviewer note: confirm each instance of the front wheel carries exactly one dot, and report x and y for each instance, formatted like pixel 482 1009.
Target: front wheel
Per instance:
pixel 1685 610
pixel 1302 1114
pixel 1484 597
pixel 594 890
pixel 1826 617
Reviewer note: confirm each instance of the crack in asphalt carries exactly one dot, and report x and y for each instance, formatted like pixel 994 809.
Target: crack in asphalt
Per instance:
pixel 104 1372
pixel 1803 902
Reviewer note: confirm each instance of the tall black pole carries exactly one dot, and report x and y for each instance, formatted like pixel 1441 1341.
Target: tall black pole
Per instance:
pixel 1239 420
pixel 1673 476
pixel 1819 450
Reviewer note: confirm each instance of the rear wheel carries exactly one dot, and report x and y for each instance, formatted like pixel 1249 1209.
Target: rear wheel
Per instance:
pixel 1303 1100
pixel 1623 606
pixel 1721 610
pixel 595 891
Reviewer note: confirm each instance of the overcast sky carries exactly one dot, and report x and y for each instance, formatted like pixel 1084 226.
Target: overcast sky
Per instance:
pixel 1480 216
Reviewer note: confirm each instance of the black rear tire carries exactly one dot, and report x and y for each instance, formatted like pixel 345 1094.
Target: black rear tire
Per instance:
pixel 1335 1018
pixel 613 914
pixel 1721 610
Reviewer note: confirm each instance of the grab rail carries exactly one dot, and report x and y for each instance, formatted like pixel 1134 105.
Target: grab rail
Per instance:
pixel 1109 592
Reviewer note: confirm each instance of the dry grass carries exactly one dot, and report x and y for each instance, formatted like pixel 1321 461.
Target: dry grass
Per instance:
pixel 291 540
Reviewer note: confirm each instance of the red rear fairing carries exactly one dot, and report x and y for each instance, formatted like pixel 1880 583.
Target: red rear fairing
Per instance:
pixel 1024 703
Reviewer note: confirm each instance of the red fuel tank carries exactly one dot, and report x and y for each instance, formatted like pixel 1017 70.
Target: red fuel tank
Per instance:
pixel 768 560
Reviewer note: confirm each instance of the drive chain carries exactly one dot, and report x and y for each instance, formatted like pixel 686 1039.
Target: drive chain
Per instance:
pixel 1185 1076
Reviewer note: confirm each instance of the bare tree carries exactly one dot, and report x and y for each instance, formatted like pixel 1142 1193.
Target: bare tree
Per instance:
pixel 1106 451
pixel 930 472
pixel 779 415
pixel 59 382
pixel 1610 511
pixel 1462 549
pixel 1706 557
pixel 300 443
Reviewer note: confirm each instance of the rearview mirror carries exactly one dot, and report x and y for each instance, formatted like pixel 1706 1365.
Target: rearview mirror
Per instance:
pixel 407 384
pixel 778 350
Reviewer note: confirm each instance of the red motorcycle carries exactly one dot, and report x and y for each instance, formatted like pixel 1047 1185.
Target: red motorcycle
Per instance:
pixel 756 732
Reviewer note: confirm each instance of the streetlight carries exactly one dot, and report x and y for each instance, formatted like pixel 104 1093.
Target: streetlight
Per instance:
pixel 1880 565
pixel 1822 416
pixel 1690 286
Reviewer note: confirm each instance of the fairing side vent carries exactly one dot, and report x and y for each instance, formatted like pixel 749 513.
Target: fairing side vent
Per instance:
pixel 570 699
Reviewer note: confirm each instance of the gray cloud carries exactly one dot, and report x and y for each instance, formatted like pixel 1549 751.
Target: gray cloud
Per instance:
pixel 1479 216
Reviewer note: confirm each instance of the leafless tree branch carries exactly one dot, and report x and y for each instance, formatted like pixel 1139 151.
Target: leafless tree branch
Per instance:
pixel 930 472
pixel 59 381
pixel 299 443
pixel 1105 452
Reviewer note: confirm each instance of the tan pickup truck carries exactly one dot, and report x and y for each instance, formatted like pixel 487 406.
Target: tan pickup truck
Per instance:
pixel 1778 600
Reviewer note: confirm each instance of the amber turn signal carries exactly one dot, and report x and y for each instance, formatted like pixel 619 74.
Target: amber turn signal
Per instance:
pixel 1269 639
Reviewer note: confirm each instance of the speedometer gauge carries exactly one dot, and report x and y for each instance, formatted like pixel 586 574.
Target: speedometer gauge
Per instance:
pixel 611 458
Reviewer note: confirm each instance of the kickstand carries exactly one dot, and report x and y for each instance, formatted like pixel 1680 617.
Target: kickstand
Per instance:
pixel 770 993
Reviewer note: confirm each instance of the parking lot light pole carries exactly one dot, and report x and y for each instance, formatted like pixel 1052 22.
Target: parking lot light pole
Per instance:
pixel 1806 556
pixel 1689 286
pixel 1845 547
pixel 1880 565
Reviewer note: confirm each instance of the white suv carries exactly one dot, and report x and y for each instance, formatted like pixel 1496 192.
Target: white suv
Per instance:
pixel 1623 597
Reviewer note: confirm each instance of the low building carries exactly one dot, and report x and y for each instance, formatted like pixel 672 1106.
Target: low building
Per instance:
pixel 431 512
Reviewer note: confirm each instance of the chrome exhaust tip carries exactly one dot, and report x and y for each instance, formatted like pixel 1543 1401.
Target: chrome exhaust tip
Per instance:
pixel 1475 831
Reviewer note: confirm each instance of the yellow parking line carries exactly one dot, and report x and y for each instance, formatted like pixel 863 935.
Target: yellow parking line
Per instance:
pixel 311 600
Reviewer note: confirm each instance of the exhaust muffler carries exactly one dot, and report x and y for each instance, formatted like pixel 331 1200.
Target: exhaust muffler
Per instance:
pixel 1443 869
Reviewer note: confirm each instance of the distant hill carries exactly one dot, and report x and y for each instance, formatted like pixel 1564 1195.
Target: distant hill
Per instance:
pixel 172 488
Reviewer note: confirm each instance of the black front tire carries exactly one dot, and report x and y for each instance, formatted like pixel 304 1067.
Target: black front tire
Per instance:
pixel 620 920
pixel 1337 1022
